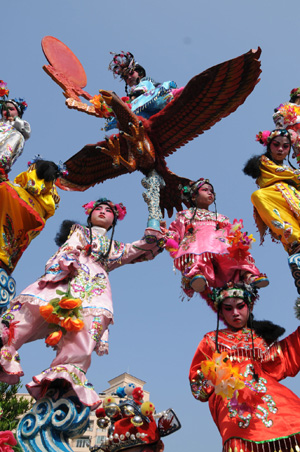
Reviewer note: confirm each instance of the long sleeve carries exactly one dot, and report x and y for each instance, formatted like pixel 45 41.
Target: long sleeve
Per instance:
pixel 200 388
pixel 272 173
pixel 177 228
pixel 142 250
pixel 65 262
pixel 43 192
pixel 23 127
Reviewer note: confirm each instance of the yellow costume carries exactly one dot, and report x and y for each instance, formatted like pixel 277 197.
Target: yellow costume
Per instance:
pixel 26 204
pixel 277 203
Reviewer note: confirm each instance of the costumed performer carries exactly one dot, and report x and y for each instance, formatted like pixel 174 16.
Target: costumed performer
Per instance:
pixel 287 116
pixel 238 369
pixel 277 202
pixel 145 96
pixel 26 203
pixel 71 304
pixel 207 249
pixel 13 131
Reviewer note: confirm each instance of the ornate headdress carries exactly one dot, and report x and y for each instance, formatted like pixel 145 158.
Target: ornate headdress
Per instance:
pixel 119 210
pixel 188 191
pixel 267 136
pixel 19 103
pixel 131 422
pixel 241 290
pixel 294 94
pixel 123 64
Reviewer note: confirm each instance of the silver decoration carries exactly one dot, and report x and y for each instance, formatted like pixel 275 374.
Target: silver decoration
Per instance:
pixel 153 183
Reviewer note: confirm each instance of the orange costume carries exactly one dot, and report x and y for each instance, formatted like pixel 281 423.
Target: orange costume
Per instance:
pixel 266 416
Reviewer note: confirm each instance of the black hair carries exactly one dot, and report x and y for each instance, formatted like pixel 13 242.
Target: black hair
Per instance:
pixel 47 170
pixel 140 70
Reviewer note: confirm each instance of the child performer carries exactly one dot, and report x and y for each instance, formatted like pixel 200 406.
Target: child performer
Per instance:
pixel 26 203
pixel 71 304
pixel 238 369
pixel 207 249
pixel 277 202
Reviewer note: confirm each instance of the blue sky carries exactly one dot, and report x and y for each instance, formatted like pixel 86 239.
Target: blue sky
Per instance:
pixel 155 334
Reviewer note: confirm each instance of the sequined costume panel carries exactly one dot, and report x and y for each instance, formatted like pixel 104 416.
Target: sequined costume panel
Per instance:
pixel 277 203
pixel 203 248
pixel 87 276
pixel 274 406
pixel 12 139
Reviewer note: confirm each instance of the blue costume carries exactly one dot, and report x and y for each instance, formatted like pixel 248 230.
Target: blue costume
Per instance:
pixel 147 98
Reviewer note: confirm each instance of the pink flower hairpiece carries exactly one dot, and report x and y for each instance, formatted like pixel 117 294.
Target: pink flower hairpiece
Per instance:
pixel 266 136
pixel 119 209
pixel 262 137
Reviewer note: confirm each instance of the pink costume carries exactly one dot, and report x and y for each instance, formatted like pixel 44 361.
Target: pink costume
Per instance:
pixel 203 249
pixel 88 278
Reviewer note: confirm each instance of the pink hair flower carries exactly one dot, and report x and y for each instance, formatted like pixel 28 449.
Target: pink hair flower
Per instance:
pixel 88 207
pixel 263 136
pixel 121 211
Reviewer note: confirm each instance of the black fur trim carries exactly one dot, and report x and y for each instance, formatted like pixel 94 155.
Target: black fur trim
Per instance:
pixel 252 167
pixel 267 330
pixel 64 232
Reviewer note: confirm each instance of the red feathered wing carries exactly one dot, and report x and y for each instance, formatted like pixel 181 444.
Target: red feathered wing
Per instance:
pixel 206 99
pixel 89 167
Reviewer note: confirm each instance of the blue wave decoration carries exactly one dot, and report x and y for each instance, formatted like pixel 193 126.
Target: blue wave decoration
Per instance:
pixel 49 424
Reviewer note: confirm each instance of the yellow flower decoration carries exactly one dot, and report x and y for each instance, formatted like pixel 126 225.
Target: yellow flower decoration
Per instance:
pixel 220 374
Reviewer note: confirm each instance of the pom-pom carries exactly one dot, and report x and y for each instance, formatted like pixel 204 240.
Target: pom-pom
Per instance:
pixel 171 245
pixel 147 408
pixel 137 395
pixel 108 400
pixel 100 412
pixel 129 389
pixel 121 391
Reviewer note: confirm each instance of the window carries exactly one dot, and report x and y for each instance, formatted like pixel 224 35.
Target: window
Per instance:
pixel 99 439
pixel 83 442
pixel 91 426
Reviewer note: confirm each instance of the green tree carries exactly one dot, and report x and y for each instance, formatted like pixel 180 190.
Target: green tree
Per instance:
pixel 13 407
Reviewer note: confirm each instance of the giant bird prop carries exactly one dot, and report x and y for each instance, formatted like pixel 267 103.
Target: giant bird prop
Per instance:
pixel 143 144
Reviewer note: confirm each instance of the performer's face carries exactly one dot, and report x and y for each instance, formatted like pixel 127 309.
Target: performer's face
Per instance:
pixel 132 78
pixel 280 148
pixel 205 196
pixel 102 216
pixel 9 111
pixel 235 312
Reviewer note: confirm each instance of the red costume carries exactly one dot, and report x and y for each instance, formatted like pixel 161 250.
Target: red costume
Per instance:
pixel 267 416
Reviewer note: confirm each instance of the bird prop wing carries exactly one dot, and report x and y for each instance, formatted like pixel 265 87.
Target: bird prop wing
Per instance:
pixel 90 166
pixel 206 99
